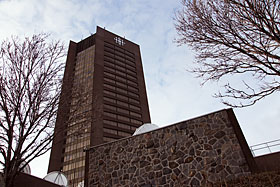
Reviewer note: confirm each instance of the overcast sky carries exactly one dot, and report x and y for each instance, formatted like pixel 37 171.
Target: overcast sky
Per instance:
pixel 174 94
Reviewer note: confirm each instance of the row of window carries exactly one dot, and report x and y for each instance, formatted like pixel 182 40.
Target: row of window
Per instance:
pixel 73 156
pixel 74 141
pixel 78 134
pixel 81 125
pixel 116 109
pixel 73 160
pixel 75 175
pixel 121 84
pixel 77 137
pixel 119 96
pixel 121 68
pixel 120 125
pixel 119 62
pixel 111 47
pixel 74 166
pixel 124 104
pixel 120 53
pixel 122 91
pixel 117 72
pixel 123 118
pixel 126 60
pixel 118 79
pixel 116 132
pixel 120 65
pixel 108 139
pixel 75 146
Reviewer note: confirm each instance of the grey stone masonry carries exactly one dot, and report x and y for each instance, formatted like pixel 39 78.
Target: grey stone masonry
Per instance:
pixel 195 152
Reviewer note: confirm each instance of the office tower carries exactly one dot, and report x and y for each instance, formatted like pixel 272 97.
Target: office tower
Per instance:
pixel 103 99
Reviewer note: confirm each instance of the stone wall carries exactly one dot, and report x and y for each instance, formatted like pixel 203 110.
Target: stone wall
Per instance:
pixel 195 152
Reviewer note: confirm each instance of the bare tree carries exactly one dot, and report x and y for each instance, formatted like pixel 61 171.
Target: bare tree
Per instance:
pixel 30 82
pixel 233 37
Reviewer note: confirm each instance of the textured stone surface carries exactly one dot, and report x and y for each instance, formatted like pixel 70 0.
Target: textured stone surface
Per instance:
pixel 191 153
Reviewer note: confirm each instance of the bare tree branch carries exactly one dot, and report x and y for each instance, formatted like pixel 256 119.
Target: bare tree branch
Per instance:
pixel 234 37
pixel 30 84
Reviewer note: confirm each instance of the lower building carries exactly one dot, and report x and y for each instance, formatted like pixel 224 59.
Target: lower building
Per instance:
pixel 195 152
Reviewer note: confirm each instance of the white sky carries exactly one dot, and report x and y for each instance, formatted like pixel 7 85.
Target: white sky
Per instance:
pixel 174 94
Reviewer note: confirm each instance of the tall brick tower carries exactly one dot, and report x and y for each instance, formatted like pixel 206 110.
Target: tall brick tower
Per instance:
pixel 103 99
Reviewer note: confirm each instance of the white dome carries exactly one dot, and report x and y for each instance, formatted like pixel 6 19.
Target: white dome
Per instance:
pixel 147 127
pixel 57 177
pixel 26 169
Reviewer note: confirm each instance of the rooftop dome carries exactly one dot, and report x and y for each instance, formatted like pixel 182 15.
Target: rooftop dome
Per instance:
pixel 57 177
pixel 147 127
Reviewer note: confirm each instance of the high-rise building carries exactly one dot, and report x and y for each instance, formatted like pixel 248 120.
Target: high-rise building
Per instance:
pixel 103 99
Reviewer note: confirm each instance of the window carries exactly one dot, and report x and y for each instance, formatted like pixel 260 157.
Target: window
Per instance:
pixel 122 103
pixel 110 131
pixel 131 72
pixel 108 45
pixel 133 94
pixel 123 118
pixel 117 52
pixel 109 75
pixel 123 111
pixel 120 73
pixel 120 58
pixel 122 97
pixel 108 139
pixel 106 53
pixel 108 59
pixel 110 114
pixel 110 107
pixel 121 84
pixel 120 68
pixel 117 62
pixel 134 107
pixel 109 93
pixel 108 49
pixel 120 78
pixel 109 99
pixel 131 67
pixel 109 68
pixel 109 86
pixel 129 53
pixel 136 122
pixel 113 123
pixel 124 134
pixel 130 63
pixel 109 80
pixel 132 83
pixel 131 77
pixel 129 58
pixel 132 88
pixel 134 101
pixel 121 90
pixel 124 126
pixel 135 114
